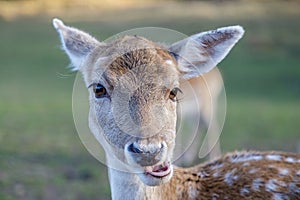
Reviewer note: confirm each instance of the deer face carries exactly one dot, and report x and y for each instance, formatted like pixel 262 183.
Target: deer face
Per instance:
pixel 133 100
pixel 133 84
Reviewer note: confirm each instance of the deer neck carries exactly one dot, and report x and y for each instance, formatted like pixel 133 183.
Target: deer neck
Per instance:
pixel 126 185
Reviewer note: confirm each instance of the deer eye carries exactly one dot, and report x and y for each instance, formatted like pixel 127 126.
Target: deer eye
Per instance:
pixel 173 94
pixel 99 90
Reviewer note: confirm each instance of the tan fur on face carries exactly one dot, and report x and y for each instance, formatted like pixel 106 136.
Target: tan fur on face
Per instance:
pixel 138 80
pixel 126 53
pixel 142 73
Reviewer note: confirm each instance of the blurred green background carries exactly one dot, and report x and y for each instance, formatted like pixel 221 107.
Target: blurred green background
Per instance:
pixel 41 156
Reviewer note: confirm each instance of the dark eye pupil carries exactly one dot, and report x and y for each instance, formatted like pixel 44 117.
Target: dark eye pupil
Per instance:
pixel 173 94
pixel 99 90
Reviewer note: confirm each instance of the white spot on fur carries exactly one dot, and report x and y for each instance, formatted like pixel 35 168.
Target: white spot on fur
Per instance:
pixel 215 197
pixel 202 174
pixel 257 184
pixel 169 62
pixel 274 185
pixel 281 183
pixel 193 194
pixel 271 186
pixel 216 174
pixel 290 160
pixel 244 191
pixel 298 173
pixel 278 196
pixel 294 188
pixel 246 164
pixel 246 157
pixel 217 166
pixel 274 157
pixel 230 177
pixel 253 171
pixel 283 171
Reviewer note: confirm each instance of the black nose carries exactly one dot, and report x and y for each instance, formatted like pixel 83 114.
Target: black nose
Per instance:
pixel 132 148
pixel 146 155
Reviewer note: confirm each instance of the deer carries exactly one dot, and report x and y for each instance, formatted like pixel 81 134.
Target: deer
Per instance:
pixel 133 84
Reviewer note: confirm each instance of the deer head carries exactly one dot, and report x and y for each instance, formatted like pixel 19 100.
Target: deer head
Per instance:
pixel 133 84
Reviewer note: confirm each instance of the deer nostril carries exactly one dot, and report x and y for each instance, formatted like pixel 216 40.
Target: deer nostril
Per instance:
pixel 134 149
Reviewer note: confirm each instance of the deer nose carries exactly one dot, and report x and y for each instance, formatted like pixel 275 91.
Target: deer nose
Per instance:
pixel 145 149
pixel 134 149
pixel 146 155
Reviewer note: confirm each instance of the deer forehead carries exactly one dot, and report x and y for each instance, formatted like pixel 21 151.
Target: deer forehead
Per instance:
pixel 143 67
pixel 134 62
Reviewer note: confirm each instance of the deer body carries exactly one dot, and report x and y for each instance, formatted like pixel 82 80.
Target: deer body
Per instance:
pixel 239 175
pixel 133 85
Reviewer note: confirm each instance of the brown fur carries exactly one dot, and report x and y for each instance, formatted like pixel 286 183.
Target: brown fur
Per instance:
pixel 208 180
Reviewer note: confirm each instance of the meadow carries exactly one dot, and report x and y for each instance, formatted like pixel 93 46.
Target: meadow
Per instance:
pixel 41 155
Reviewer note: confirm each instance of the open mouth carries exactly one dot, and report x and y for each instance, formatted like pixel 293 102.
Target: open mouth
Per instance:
pixel 159 171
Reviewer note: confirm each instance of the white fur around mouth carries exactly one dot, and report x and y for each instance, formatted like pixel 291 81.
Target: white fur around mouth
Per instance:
pixel 159 171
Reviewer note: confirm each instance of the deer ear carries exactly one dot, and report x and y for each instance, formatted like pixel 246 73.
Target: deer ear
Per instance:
pixel 200 53
pixel 76 43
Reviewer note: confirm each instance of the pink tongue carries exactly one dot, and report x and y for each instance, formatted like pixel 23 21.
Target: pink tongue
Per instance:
pixel 160 170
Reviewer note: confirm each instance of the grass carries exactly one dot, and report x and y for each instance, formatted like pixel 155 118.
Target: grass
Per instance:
pixel 41 156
